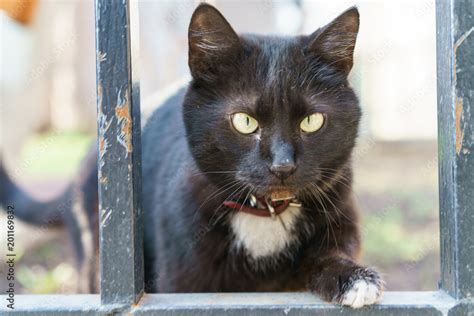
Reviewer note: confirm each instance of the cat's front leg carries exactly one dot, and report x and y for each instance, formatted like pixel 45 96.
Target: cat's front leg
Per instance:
pixel 339 280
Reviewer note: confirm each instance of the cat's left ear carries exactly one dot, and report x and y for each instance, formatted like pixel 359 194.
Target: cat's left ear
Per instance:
pixel 213 43
pixel 336 41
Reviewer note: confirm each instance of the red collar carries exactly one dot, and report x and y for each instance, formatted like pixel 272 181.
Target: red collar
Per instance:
pixel 263 212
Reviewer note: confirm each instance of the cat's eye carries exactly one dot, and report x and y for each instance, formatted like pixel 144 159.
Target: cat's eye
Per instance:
pixel 312 123
pixel 244 123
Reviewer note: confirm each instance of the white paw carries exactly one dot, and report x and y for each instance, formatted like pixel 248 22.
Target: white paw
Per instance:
pixel 361 293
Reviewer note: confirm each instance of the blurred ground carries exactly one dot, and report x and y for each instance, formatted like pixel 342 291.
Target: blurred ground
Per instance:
pixel 397 189
pixel 395 183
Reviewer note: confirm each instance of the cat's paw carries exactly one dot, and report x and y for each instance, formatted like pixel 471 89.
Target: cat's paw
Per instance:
pixel 363 287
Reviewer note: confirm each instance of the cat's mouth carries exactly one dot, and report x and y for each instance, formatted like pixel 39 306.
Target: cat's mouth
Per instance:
pixel 270 205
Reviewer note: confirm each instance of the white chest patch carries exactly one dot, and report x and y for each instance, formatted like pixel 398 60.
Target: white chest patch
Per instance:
pixel 264 236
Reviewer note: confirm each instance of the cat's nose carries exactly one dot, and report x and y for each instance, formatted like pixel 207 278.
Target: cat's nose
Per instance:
pixel 283 159
pixel 283 170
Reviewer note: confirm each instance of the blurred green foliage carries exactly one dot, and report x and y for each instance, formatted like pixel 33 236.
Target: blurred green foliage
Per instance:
pixel 406 231
pixel 45 271
pixel 55 153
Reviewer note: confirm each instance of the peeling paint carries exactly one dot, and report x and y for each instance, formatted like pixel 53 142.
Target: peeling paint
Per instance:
pixel 459 100
pixel 456 46
pixel 105 218
pixel 103 123
pixel 102 144
pixel 122 113
pixel 102 56
pixel 103 126
pixel 459 131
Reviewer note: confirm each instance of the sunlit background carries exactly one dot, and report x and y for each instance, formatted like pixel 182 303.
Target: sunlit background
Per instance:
pixel 48 109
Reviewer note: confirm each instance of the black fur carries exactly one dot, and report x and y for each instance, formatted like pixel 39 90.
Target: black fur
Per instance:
pixel 193 160
pixel 28 209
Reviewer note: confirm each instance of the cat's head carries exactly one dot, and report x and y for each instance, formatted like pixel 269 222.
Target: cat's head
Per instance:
pixel 270 113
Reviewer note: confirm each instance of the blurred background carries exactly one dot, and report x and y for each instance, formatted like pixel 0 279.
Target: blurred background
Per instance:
pixel 48 110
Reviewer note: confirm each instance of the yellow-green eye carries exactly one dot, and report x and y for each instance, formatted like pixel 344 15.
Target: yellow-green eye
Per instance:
pixel 244 123
pixel 312 123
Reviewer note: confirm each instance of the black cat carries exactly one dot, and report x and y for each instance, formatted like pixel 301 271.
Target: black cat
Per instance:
pixel 247 171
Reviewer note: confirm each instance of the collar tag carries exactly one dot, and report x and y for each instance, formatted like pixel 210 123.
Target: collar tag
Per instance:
pixel 271 209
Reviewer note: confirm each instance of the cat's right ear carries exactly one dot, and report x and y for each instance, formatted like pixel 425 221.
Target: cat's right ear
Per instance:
pixel 212 42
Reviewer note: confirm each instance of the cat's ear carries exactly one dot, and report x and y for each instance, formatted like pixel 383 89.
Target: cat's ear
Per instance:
pixel 212 42
pixel 336 41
